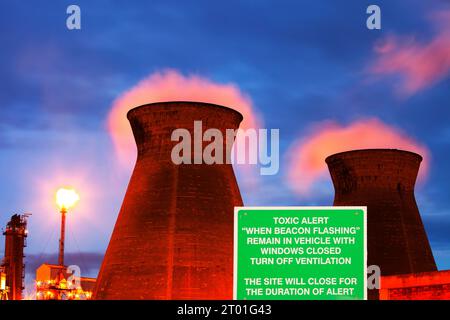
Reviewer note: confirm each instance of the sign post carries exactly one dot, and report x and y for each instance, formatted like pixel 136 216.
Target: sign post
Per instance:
pixel 300 253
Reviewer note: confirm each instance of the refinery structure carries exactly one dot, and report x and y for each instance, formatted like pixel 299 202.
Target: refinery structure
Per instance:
pixel 53 281
pixel 12 268
pixel 173 238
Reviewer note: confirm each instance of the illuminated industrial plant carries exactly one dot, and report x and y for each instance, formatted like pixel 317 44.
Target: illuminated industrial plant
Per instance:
pixel 54 282
pixel 185 250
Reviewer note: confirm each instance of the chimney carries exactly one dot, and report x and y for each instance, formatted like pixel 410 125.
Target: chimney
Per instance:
pixel 173 238
pixel 383 180
pixel 13 263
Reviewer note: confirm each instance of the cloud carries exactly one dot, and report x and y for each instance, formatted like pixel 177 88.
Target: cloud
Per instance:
pixel 419 64
pixel 306 157
pixel 170 85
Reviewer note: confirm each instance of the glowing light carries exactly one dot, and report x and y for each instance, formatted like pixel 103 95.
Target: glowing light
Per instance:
pixel 66 198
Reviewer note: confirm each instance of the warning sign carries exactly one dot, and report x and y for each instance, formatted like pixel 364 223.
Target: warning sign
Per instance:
pixel 300 253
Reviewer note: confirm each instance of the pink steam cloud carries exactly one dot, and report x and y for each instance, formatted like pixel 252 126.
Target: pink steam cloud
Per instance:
pixel 419 64
pixel 170 85
pixel 306 157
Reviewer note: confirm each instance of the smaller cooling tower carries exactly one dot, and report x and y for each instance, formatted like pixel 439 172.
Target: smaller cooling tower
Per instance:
pixel 383 180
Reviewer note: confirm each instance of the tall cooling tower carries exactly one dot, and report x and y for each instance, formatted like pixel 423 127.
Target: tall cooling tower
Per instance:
pixel 383 180
pixel 173 238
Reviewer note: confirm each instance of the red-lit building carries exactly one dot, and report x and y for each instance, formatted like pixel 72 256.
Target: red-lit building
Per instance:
pixel 416 286
pixel 53 282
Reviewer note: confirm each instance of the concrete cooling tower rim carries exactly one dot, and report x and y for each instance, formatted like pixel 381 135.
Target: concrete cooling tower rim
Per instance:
pixel 335 156
pixel 164 104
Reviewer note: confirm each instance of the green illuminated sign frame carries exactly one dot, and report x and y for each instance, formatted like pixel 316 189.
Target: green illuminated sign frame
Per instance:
pixel 300 253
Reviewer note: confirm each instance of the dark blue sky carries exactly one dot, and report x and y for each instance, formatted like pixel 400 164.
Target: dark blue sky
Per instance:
pixel 301 63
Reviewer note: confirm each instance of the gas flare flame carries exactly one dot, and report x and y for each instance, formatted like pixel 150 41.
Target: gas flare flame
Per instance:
pixel 66 198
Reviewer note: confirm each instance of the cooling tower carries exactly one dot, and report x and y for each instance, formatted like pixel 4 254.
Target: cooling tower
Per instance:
pixel 383 180
pixel 173 238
